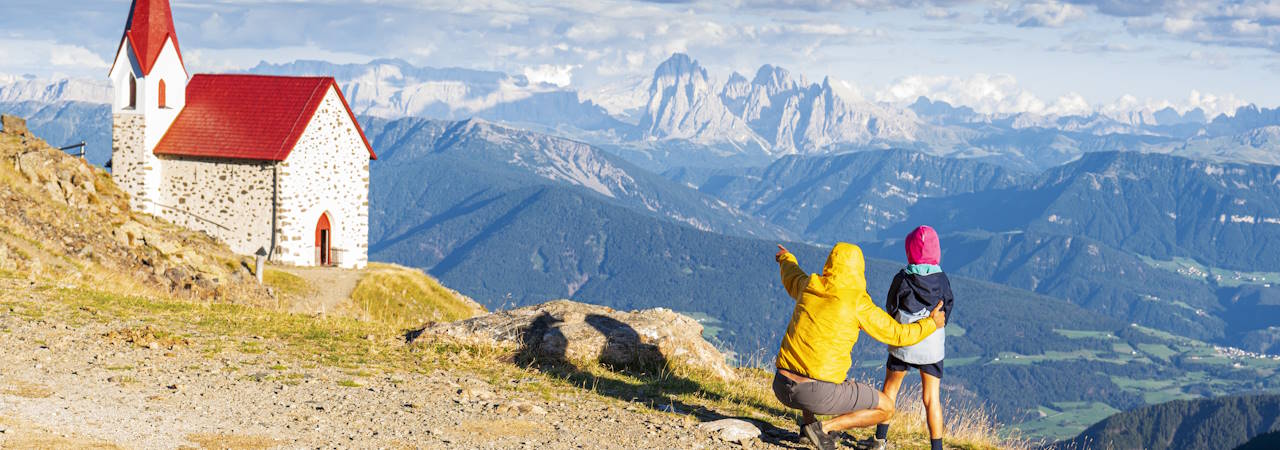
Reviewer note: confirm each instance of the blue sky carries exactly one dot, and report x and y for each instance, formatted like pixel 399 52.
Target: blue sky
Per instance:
pixel 1045 56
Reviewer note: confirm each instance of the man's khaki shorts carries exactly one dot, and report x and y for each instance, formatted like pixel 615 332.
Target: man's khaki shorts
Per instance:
pixel 821 397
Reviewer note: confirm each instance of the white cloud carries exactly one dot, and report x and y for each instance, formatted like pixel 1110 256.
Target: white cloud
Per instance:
pixel 984 93
pixel 1001 94
pixel 42 56
pixel 1050 13
pixel 560 76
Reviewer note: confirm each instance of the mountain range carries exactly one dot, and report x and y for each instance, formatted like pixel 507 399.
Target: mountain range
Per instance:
pixel 683 116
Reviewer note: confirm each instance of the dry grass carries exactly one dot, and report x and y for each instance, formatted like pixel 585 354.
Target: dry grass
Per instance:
pixel 232 441
pixel 26 390
pixel 404 297
pixel 286 284
pixel 968 426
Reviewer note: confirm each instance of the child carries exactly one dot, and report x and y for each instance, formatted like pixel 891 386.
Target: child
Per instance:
pixel 915 291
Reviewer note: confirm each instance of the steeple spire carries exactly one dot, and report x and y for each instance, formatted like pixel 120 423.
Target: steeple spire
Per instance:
pixel 150 23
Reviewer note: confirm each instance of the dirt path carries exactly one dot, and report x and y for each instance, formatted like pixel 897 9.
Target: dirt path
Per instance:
pixel 71 377
pixel 331 288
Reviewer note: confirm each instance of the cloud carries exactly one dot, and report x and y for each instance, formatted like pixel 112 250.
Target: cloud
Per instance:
pixel 41 56
pixel 560 76
pixel 1212 105
pixel 1001 94
pixel 985 93
pixel 1049 13
pixel 1241 23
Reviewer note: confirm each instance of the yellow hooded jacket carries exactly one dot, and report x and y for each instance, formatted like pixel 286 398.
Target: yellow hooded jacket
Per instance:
pixel 830 309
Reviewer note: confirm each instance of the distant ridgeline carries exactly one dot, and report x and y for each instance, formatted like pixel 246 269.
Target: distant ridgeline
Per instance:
pixel 1207 424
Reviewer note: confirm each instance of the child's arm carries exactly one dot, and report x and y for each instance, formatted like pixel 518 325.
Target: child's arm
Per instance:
pixel 793 277
pixel 886 329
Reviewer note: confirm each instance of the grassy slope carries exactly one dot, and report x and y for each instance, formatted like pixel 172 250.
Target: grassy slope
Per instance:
pixel 406 297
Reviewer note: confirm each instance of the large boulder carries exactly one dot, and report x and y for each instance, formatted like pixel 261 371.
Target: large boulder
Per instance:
pixel 572 331
pixel 13 125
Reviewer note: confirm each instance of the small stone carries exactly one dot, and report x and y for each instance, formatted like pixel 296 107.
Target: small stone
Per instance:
pixel 731 430
pixel 173 387
pixel 153 346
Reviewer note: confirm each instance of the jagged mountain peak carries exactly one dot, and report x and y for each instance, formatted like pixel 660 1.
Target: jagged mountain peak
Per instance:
pixel 680 64
pixel 777 79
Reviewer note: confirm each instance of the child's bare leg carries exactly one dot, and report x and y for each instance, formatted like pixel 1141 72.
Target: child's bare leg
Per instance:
pixel 892 383
pixel 930 387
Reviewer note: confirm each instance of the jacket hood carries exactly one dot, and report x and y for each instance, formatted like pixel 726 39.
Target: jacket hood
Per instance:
pixel 922 246
pixel 929 286
pixel 845 267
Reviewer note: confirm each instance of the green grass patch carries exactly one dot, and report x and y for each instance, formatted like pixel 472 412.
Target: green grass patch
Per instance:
pixel 1157 351
pixel 1066 419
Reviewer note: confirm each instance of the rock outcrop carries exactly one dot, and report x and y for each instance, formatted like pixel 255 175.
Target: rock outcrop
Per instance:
pixel 63 219
pixel 573 331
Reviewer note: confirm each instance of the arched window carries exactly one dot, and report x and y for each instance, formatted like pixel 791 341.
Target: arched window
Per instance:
pixel 160 93
pixel 133 92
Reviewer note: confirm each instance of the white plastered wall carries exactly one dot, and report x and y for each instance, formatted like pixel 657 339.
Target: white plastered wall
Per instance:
pixel 327 171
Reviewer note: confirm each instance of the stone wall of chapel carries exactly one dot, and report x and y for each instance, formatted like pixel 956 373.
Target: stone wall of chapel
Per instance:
pixel 227 199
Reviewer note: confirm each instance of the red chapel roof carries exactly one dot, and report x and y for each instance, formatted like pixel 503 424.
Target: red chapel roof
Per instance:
pixel 252 117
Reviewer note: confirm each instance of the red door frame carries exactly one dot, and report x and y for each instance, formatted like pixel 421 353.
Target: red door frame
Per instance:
pixel 324 240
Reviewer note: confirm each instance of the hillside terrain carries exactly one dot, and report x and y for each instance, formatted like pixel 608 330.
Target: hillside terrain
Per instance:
pixel 1225 422
pixel 101 352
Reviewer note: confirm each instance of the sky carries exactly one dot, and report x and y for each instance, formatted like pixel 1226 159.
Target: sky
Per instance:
pixel 1039 56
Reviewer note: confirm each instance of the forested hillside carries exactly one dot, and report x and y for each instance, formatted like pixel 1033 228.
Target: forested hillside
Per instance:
pixel 1207 424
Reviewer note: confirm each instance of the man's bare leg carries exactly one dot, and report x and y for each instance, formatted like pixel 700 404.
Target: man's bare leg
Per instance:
pixel 883 410
pixel 930 385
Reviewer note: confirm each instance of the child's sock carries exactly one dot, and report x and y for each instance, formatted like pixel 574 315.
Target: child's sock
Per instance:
pixel 882 431
pixel 935 444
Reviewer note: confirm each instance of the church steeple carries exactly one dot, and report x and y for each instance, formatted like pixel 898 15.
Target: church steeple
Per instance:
pixel 150 84
pixel 149 25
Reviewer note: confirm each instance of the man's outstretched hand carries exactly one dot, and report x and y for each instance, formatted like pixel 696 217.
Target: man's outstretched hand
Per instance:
pixel 781 251
pixel 939 317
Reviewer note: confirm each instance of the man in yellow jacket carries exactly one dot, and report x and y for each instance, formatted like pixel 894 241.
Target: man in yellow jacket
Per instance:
pixel 814 359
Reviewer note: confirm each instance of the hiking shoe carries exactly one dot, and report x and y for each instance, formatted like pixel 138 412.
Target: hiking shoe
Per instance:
pixel 820 440
pixel 835 435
